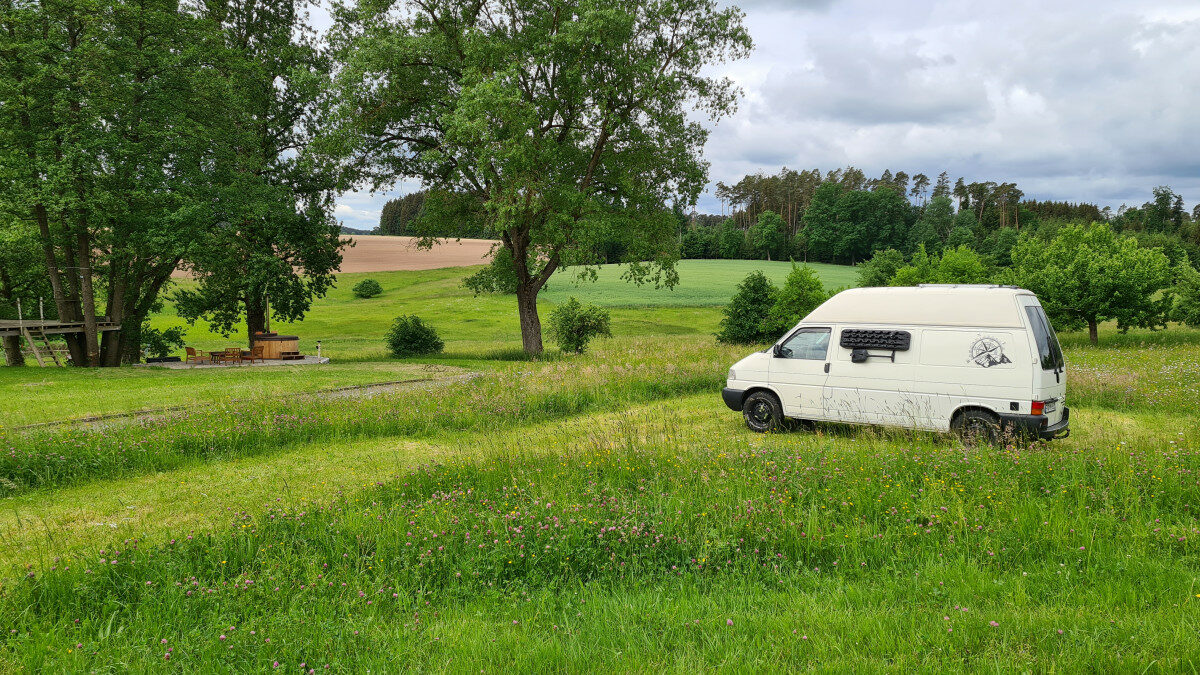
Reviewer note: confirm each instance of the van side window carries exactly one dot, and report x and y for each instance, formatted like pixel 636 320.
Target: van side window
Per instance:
pixel 1047 342
pixel 807 343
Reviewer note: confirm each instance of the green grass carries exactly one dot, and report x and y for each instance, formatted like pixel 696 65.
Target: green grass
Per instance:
pixel 52 394
pixel 603 512
pixel 631 541
pixel 629 372
pixel 353 328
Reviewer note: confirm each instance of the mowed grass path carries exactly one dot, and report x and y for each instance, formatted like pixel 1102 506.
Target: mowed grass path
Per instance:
pixel 34 395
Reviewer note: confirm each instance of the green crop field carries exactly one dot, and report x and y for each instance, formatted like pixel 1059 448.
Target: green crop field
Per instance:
pixel 702 283
pixel 598 512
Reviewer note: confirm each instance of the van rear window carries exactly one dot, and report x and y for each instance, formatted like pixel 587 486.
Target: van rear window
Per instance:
pixel 1047 342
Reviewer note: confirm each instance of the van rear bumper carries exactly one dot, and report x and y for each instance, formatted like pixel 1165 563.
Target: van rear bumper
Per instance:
pixel 733 398
pixel 1037 425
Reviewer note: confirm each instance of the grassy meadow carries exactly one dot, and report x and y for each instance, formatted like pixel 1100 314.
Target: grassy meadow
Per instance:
pixel 350 328
pixel 595 512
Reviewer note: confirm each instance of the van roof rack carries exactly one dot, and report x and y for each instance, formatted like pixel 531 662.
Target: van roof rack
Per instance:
pixel 966 286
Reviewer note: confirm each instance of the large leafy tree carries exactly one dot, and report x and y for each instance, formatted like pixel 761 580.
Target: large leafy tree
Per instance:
pixel 768 237
pixel 1089 274
pixel 820 221
pixel 272 242
pixel 568 119
pixel 107 126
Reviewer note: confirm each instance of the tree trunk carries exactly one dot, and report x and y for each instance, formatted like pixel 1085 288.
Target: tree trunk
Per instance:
pixel 1093 332
pixel 62 306
pixel 531 325
pixel 75 341
pixel 256 317
pixel 90 334
pixel 110 343
pixel 12 351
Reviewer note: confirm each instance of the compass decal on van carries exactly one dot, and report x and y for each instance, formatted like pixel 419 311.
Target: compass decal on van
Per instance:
pixel 987 352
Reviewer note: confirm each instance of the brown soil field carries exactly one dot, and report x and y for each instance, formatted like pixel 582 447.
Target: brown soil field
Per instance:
pixel 387 254
pixel 377 253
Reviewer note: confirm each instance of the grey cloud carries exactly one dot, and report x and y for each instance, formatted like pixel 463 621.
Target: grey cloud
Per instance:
pixel 1079 101
pixel 796 5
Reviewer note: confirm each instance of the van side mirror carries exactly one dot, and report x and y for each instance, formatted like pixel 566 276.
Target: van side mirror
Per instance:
pixel 777 351
pixel 858 356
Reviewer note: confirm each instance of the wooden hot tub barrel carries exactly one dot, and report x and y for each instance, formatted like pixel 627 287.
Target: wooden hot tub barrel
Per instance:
pixel 278 346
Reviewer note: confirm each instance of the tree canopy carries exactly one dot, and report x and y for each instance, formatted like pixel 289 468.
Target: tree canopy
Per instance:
pixel 568 120
pixel 1089 274
pixel 272 242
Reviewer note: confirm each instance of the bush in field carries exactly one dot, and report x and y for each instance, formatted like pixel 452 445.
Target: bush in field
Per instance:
pixel 960 265
pixel 1187 295
pixel 801 294
pixel 160 343
pixel 573 325
pixel 367 288
pixel 409 336
pixel 745 319
pixel 880 269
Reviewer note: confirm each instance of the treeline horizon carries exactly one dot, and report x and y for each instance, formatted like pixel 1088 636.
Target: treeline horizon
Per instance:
pixel 844 216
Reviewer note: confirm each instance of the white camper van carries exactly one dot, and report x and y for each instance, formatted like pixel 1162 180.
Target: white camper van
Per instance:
pixel 978 360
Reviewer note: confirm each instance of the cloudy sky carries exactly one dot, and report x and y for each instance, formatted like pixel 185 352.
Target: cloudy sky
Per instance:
pixel 1094 100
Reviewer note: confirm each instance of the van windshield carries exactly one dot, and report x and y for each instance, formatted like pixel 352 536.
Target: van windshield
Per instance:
pixel 1047 342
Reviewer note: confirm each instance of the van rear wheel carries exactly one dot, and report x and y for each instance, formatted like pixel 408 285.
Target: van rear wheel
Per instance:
pixel 763 412
pixel 977 427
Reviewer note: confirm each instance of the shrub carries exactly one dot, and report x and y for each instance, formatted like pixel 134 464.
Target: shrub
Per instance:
pixel 367 288
pixel 573 325
pixel 409 336
pixel 746 314
pixel 880 269
pixel 960 265
pixel 801 294
pixel 160 343
pixel 1187 295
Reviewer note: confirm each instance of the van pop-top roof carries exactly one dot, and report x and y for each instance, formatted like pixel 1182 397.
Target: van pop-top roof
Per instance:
pixel 984 306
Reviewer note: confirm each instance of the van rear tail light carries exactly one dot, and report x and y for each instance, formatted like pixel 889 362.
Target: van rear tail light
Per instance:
pixel 1037 407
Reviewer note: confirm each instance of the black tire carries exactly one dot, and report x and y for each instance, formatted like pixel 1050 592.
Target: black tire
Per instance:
pixel 977 427
pixel 763 412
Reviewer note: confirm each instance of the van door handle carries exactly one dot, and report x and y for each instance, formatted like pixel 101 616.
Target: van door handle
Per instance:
pixel 827 367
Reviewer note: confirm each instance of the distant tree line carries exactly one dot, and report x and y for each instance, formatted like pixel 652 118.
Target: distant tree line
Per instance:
pixel 448 215
pixel 842 216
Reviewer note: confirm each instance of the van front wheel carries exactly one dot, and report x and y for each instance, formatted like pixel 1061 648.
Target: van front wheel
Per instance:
pixel 763 412
pixel 977 427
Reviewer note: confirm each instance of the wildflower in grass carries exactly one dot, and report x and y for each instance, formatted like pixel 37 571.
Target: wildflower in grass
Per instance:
pixel 728 622
pixel 993 624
